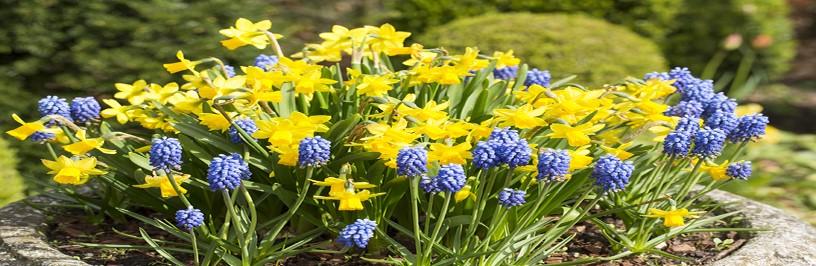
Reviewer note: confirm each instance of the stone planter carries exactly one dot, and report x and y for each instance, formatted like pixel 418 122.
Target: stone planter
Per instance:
pixel 788 241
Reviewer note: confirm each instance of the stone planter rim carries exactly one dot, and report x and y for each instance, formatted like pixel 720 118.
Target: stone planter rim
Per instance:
pixel 787 241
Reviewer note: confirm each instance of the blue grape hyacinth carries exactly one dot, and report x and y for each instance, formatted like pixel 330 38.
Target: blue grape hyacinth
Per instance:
pixel 553 165
pixel 516 154
pixel 685 108
pixel 357 234
pixel 698 90
pixel 719 103
pixel 266 61
pixel 657 75
pixel 708 142
pixel 484 157
pixel 506 73
pixel 540 77
pixel 53 105
pixel 739 170
pixel 246 124
pixel 612 174
pixel 688 124
pixel 511 197
pixel 451 178
pixel 677 143
pixel 749 127
pixel 429 184
pixel 42 136
pixel 504 135
pixel 165 153
pixel 682 77
pixel 230 71
pixel 412 161
pixel 189 218
pixel 314 152
pixel 85 109
pixel 726 121
pixel 226 172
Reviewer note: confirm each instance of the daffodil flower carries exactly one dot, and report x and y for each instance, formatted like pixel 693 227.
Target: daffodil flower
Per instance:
pixel 716 171
pixel 183 64
pixel 245 32
pixel 338 185
pixel 619 151
pixel 84 145
pixel 672 217
pixel 133 93
pixel 505 59
pixel 446 154
pixel 215 122
pixel 163 183
pixel 26 128
pixel 523 117
pixel 72 171
pixel 464 194
pixel 116 110
pixel 375 85
pixel 576 136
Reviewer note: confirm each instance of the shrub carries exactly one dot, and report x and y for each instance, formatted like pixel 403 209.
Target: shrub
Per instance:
pixel 12 183
pixel 703 25
pixel 650 18
pixel 565 44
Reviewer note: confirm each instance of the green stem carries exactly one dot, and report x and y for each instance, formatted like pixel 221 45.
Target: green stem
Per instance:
pixel 415 216
pixel 195 246
pixel 51 150
pixel 301 197
pixel 241 231
pixel 439 221
pixel 253 214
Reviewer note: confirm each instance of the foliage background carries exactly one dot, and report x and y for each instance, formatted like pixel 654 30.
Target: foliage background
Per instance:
pixel 73 47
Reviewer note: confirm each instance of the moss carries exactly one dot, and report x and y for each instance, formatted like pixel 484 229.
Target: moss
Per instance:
pixel 565 44
pixel 649 18
pixel 12 188
pixel 703 25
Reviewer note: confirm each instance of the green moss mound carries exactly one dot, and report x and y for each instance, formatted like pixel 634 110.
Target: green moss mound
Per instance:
pixel 565 44
pixel 650 18
pixel 703 25
pixel 12 189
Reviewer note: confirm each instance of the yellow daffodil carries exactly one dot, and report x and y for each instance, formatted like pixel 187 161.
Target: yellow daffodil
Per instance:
pixel 313 82
pixel 386 37
pixel 505 59
pixel 287 154
pixel 464 194
pixel 445 154
pixel 672 217
pixel 523 117
pixel 25 129
pixel 163 183
pixel 161 93
pixel 431 110
pixel 579 158
pixel 716 171
pixel 72 171
pixel 116 110
pixel 375 85
pixel 246 32
pixel 576 136
pixel 619 151
pixel 133 93
pixel 338 185
pixel 84 145
pixel 214 122
pixel 410 50
pixel 181 65
pixel 350 200
pixel 469 60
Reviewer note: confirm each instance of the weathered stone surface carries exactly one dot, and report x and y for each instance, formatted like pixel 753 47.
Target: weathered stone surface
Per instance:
pixel 788 240
pixel 22 241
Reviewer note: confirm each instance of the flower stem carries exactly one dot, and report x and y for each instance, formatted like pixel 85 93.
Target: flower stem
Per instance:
pixel 415 216
pixel 439 221
pixel 195 246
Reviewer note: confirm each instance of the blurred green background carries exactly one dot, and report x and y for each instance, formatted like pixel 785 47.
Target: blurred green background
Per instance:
pixel 760 51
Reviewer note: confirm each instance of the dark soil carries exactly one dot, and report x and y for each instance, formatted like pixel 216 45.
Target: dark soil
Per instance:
pixel 699 248
pixel 69 230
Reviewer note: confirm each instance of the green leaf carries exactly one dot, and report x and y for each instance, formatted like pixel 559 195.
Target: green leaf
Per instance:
pixel 159 249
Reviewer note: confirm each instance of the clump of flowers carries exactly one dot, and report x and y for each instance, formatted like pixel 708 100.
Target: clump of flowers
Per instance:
pixel 467 157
